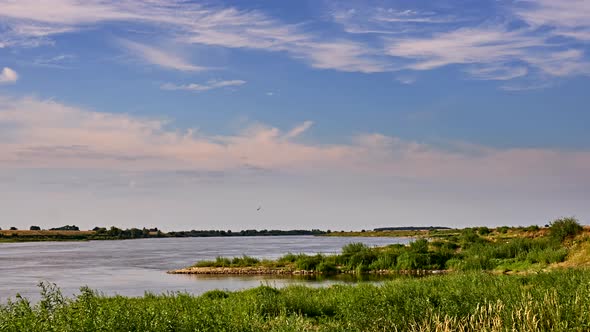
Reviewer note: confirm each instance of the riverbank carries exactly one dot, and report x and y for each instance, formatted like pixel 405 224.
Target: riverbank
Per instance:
pixel 502 250
pixel 475 301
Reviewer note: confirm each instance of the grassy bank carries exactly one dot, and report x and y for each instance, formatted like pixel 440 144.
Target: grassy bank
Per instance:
pixel 475 301
pixel 500 249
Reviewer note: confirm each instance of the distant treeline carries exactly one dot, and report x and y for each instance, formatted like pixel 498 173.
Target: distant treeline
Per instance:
pixel 409 228
pixel 72 232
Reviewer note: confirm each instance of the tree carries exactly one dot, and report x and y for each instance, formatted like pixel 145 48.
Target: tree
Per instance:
pixel 13 228
pixel 35 228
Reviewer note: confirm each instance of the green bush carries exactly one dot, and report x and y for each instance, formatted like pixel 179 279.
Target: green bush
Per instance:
pixel 308 263
pixel 483 230
pixel 503 229
pixel 563 228
pixel 326 268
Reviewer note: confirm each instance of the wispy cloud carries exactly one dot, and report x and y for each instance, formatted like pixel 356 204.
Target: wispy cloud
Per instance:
pixel 567 18
pixel 494 53
pixel 492 47
pixel 59 61
pixel 371 39
pixel 378 20
pixel 8 75
pixel 187 23
pixel 159 57
pixel 53 135
pixel 299 130
pixel 210 85
pixel 406 79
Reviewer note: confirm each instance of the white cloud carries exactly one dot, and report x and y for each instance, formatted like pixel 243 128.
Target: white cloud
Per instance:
pixel 210 85
pixel 299 130
pixel 159 57
pixel 8 75
pixel 48 134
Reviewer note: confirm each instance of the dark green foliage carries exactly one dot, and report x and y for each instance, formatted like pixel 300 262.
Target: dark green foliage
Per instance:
pixel 308 263
pixel 503 229
pixel 66 228
pixel 35 228
pixel 483 231
pixel 565 227
pixel 216 294
pixel 325 267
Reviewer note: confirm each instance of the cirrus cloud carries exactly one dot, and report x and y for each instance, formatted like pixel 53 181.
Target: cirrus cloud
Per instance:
pixel 210 85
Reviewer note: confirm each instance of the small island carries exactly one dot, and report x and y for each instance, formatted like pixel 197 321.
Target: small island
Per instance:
pixel 502 249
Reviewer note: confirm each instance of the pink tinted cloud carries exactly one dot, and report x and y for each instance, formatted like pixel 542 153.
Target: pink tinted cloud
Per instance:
pixel 43 133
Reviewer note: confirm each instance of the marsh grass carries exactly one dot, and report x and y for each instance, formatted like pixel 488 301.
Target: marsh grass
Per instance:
pixel 473 301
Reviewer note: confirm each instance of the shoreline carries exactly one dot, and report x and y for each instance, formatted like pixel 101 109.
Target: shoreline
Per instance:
pixel 262 271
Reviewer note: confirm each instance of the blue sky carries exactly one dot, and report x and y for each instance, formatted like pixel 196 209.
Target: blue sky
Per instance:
pixel 336 114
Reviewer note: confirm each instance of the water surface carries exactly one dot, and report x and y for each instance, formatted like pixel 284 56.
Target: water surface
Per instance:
pixel 132 267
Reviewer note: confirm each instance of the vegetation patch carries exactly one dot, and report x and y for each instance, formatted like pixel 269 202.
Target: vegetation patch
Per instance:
pixel 502 249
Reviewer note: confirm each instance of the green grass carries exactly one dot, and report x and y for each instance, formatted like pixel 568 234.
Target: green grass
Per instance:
pixel 472 301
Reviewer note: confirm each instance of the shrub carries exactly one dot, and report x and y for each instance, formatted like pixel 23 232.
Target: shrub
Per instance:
pixel 353 248
pixel 563 228
pixel 503 229
pixel 308 263
pixel 35 228
pixel 419 246
pixel 483 230
pixel 326 268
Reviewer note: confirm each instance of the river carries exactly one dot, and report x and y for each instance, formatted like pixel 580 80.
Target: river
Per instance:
pixel 133 267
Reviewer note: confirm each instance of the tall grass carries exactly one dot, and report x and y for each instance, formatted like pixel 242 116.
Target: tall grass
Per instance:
pixel 475 301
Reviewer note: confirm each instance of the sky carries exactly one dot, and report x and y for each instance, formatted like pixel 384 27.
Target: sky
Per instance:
pixel 341 115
